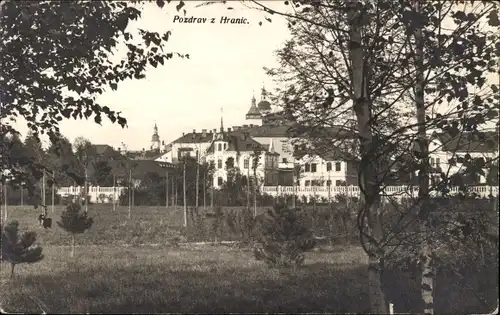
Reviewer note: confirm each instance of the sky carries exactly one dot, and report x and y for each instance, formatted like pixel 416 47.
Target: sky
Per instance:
pixel 224 69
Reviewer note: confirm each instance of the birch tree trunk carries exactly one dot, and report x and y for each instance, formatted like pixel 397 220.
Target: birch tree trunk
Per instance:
pixel 72 254
pixel 427 280
pixel 368 177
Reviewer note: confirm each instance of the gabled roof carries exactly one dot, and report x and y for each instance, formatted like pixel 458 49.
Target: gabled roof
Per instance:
pixel 486 142
pixel 240 142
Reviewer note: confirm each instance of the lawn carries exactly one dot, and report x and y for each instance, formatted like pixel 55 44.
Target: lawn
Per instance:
pixel 197 279
pixel 145 279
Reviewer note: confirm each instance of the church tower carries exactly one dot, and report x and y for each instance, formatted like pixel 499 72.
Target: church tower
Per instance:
pixel 264 106
pixel 155 140
pixel 253 115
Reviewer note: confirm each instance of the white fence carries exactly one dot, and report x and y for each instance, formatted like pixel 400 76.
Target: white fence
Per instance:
pixel 97 194
pixel 105 194
pixel 354 191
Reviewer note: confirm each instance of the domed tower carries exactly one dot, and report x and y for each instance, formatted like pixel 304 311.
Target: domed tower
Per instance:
pixel 155 140
pixel 264 106
pixel 253 115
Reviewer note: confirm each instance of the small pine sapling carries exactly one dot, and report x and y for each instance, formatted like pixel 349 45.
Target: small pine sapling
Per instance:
pixel 283 237
pixel 74 222
pixel 18 249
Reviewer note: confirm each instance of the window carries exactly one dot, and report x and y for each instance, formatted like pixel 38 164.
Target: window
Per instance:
pixel 339 183
pixel 219 147
pixel 219 163
pixel 328 183
pixel 328 166
pixel 337 167
pixel 246 163
pixel 307 167
pixel 313 167
pixel 438 162
pixel 317 183
pixel 225 146
pixel 285 160
pixel 432 161
pixel 307 183
pixel 219 181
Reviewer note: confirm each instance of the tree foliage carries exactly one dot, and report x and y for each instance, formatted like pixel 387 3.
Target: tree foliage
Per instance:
pixel 57 57
pixel 18 249
pixel 283 237
pixel 74 222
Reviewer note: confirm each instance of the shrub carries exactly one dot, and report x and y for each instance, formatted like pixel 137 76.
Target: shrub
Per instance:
pixel 18 249
pixel 283 237
pixel 74 222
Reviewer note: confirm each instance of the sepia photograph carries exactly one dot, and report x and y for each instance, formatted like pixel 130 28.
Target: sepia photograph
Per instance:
pixel 251 156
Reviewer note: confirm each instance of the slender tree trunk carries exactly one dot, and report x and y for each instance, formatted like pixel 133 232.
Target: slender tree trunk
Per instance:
pixel 130 193
pixel 22 195
pixel 176 197
pixel 12 266
pixel 5 201
pixel 368 177
pixel 204 190
pixel 114 193
pixel 53 191
pixel 43 189
pixel 427 281
pixel 248 187
pixel 72 254
pixel 184 193
pixel 166 189
pixel 256 190
pixel 86 188
pixel 197 185
pixel 212 194
pixel 294 193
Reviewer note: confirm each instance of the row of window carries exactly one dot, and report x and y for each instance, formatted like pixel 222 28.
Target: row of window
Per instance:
pixel 312 167
pixel 246 164
pixel 323 182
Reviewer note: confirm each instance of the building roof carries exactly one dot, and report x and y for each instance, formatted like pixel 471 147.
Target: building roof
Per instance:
pixel 240 142
pixel 120 168
pixel 195 137
pixel 469 142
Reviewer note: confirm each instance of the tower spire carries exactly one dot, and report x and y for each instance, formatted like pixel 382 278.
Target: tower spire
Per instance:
pixel 221 119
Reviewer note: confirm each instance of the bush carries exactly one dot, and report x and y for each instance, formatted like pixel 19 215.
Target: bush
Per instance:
pixel 18 249
pixel 282 237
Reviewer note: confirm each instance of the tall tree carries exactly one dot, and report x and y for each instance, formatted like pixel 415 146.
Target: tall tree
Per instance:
pixel 354 64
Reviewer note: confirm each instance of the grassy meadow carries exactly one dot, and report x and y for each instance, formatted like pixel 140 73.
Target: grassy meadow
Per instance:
pixel 109 278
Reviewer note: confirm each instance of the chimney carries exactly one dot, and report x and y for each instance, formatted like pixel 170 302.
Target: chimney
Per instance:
pixel 194 130
pixel 228 129
pixel 204 132
pixel 215 130
pixel 245 126
pixel 183 133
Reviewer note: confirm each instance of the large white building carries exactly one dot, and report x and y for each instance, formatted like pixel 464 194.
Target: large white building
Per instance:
pixel 271 133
